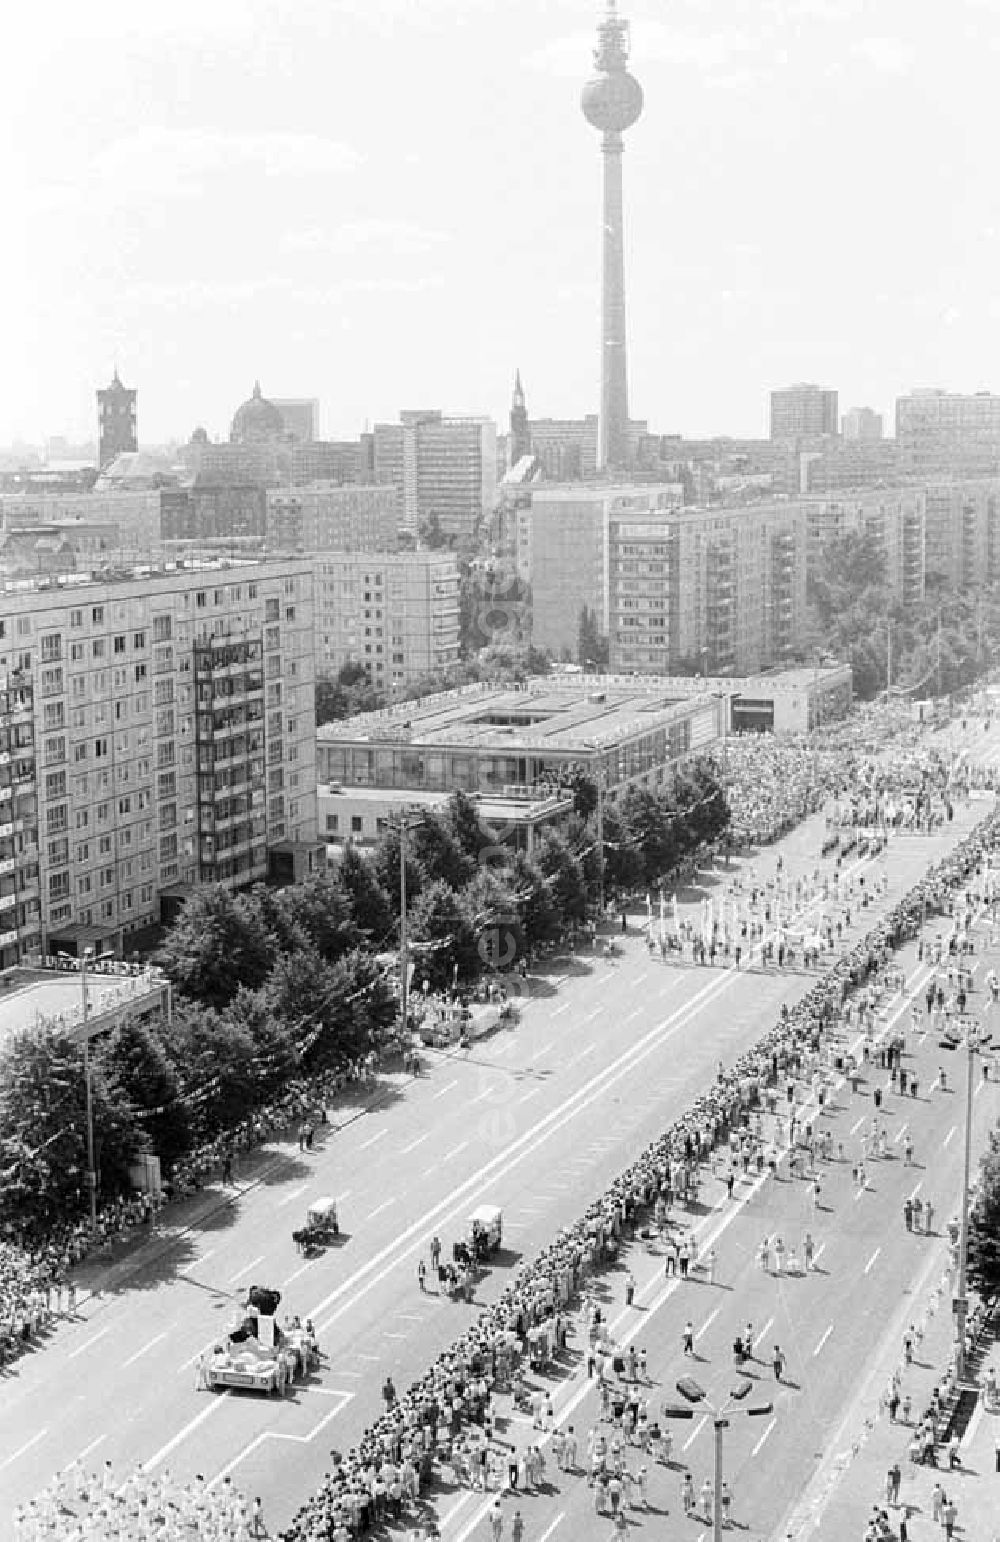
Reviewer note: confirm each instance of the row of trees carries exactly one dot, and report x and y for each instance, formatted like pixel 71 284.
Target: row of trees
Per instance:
pixel 273 983
pixel 938 647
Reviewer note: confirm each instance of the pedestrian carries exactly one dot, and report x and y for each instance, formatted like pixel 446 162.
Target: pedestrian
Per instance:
pixel 908 1151
pixel 727 1504
pixel 685 1259
pixel 496 1521
pixel 710 1266
pixel 629 1288
pixel 689 1337
pixel 706 1501
pixel 257 1526
pixel 687 1494
pixel 779 1362
pixel 517 1527
pixel 421 1274
pixel 908 1214
pixel 435 1254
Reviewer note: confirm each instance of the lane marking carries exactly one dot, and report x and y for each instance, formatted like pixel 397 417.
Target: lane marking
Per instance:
pixel 445 1090
pixel 245 1269
pixel 459 1504
pixel 559 1010
pixel 394 1335
pixel 900 1133
pixel 84 1347
pixel 544 1050
pixel 590 1050
pixel 487 1092
pixel 379 1208
pixel 302 1270
pixel 822 1341
pixel 379 1135
pixel 144 1350
pixel 202 1258
pixel 551 1528
pixel 87 1449
pixel 708 1322
pixel 303 1440
pixel 218 1401
pixel 855 1127
pixel 455 1150
pixel 916 1191
pixel 695 1432
pixel 871 1262
pixel 39 1435
pixel 295 1194
pixel 757 1448
pixel 818 1254
pixel 763 1332
pixel 415 1143
pixel 532 1093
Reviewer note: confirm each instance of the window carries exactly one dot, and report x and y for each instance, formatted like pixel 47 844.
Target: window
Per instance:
pixel 83 885
pixel 97 615
pixel 125 804
pixel 55 785
pixel 119 644
pixel 356 824
pixel 97 647
pixel 58 885
pixel 104 846
pixel 332 824
pixel 201 599
pixel 161 628
pixel 55 750
pixel 76 618
pixel 79 753
pixel 100 748
pixel 76 652
pixel 139 640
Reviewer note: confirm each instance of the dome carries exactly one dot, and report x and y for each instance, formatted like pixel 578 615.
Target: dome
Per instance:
pixel 612 102
pixel 258 421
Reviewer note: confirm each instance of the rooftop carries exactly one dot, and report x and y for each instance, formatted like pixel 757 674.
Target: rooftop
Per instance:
pixel 569 715
pixel 146 573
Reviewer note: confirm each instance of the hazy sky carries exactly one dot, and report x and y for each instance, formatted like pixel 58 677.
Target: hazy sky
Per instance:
pixel 392 203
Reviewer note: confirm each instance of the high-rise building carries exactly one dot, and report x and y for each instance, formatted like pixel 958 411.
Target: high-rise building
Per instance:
pixel 723 591
pixel 612 102
pixel 395 614
pixel 300 415
pixel 20 909
pixel 567 448
pixel 963 532
pixel 445 466
pixel 116 421
pixel 894 518
pixel 861 423
pixel 330 516
pixel 172 714
pixel 941 432
pixel 803 412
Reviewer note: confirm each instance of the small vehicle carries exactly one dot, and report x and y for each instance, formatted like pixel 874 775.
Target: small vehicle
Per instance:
pixel 322 1226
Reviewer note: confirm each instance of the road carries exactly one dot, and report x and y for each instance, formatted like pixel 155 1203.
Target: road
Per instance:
pixel 535 1119
pixel 840 1327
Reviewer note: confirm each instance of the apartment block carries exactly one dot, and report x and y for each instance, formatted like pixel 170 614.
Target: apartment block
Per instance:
pixel 861 423
pixel 963 532
pixel 327 516
pixel 172 712
pixel 20 911
pixel 396 614
pixel 722 591
pixel 944 431
pixel 895 518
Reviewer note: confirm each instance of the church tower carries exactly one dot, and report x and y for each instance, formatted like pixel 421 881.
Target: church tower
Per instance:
pixel 520 433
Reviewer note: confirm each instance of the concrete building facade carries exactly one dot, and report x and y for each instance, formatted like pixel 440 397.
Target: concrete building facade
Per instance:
pixel 328 516
pixel 446 468
pixel 20 903
pixel 896 518
pixel 945 431
pixel 397 614
pixel 803 412
pixel 861 423
pixel 173 719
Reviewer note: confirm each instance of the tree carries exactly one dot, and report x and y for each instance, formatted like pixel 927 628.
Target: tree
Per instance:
pixel 466 827
pixel 438 853
pixel 139 1074
pixel 386 865
pixel 216 1060
pixel 442 938
pixel 984 1228
pixel 564 873
pixel 320 912
pixel 43 1131
pixel 215 945
pixel 540 919
pixel 592 647
pixel 360 1005
pixel 371 907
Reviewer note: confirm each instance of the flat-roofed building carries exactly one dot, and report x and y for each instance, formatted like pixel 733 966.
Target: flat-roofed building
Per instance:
pixel 173 721
pixel 487 739
pixel 396 614
pixel 333 517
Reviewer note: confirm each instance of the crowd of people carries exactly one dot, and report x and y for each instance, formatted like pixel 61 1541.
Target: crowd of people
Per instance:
pixel 79 1505
pixel 447 1416
pixel 37 1288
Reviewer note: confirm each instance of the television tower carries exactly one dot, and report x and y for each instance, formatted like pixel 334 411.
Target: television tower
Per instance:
pixel 612 102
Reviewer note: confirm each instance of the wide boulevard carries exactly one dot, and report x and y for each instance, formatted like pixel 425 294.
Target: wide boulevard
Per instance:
pixel 536 1119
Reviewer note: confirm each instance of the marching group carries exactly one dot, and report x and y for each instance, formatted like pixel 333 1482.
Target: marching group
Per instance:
pixel 444 1422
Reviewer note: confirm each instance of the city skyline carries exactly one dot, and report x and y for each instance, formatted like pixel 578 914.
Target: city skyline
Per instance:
pixel 804 202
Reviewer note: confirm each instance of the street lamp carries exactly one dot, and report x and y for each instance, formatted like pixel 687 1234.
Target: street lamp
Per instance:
pixel 693 1393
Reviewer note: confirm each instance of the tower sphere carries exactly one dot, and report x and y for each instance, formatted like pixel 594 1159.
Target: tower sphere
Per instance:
pixel 613 102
